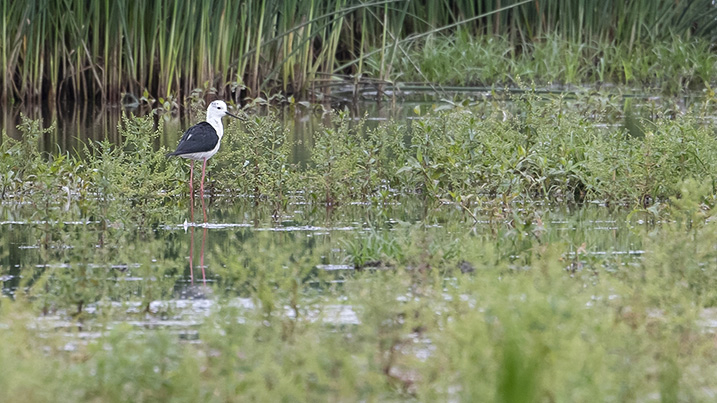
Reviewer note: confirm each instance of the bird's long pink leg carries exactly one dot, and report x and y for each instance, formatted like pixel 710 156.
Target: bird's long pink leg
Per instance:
pixel 204 209
pixel 191 190
pixel 191 254
pixel 201 256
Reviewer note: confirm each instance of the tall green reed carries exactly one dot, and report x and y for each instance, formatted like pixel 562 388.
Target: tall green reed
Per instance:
pixel 100 50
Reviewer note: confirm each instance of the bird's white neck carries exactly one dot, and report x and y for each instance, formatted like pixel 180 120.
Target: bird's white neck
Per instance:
pixel 216 123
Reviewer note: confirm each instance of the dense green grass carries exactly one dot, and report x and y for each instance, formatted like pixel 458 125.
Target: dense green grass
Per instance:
pixel 673 65
pixel 174 50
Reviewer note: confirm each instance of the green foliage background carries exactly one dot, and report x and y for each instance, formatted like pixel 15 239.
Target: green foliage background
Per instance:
pixel 169 50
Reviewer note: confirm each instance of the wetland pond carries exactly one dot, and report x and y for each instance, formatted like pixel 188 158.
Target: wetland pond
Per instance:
pixel 479 250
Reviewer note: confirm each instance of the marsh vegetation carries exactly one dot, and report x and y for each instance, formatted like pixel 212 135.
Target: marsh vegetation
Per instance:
pixel 173 51
pixel 518 249
pixel 540 227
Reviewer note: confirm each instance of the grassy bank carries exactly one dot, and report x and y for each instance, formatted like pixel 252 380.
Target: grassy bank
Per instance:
pixel 173 50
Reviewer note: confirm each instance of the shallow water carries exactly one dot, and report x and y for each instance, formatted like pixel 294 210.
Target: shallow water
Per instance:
pixel 173 266
pixel 239 236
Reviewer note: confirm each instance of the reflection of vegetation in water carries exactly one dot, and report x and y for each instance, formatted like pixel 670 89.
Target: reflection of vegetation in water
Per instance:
pixel 480 274
pixel 519 324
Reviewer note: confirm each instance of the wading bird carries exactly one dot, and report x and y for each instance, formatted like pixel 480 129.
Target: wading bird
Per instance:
pixel 201 141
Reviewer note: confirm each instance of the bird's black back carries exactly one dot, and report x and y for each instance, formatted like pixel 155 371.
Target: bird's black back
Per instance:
pixel 199 138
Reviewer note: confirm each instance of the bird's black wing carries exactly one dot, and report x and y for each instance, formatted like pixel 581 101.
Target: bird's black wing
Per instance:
pixel 198 138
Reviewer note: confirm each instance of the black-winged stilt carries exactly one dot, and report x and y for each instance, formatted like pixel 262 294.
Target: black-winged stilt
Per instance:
pixel 201 141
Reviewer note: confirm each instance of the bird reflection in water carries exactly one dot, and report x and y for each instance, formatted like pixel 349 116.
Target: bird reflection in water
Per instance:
pixel 201 254
pixel 191 226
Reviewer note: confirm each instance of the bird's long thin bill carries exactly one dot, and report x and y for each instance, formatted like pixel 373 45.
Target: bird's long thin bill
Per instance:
pixel 234 116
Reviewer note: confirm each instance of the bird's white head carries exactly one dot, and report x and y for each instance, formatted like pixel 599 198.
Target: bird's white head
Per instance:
pixel 215 112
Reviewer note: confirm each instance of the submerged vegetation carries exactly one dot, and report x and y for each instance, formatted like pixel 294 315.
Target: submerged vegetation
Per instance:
pixel 174 50
pixel 528 250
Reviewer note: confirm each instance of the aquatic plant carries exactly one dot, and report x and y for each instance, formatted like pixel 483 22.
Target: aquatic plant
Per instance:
pixel 257 162
pixel 533 148
pixel 422 329
pixel 486 250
